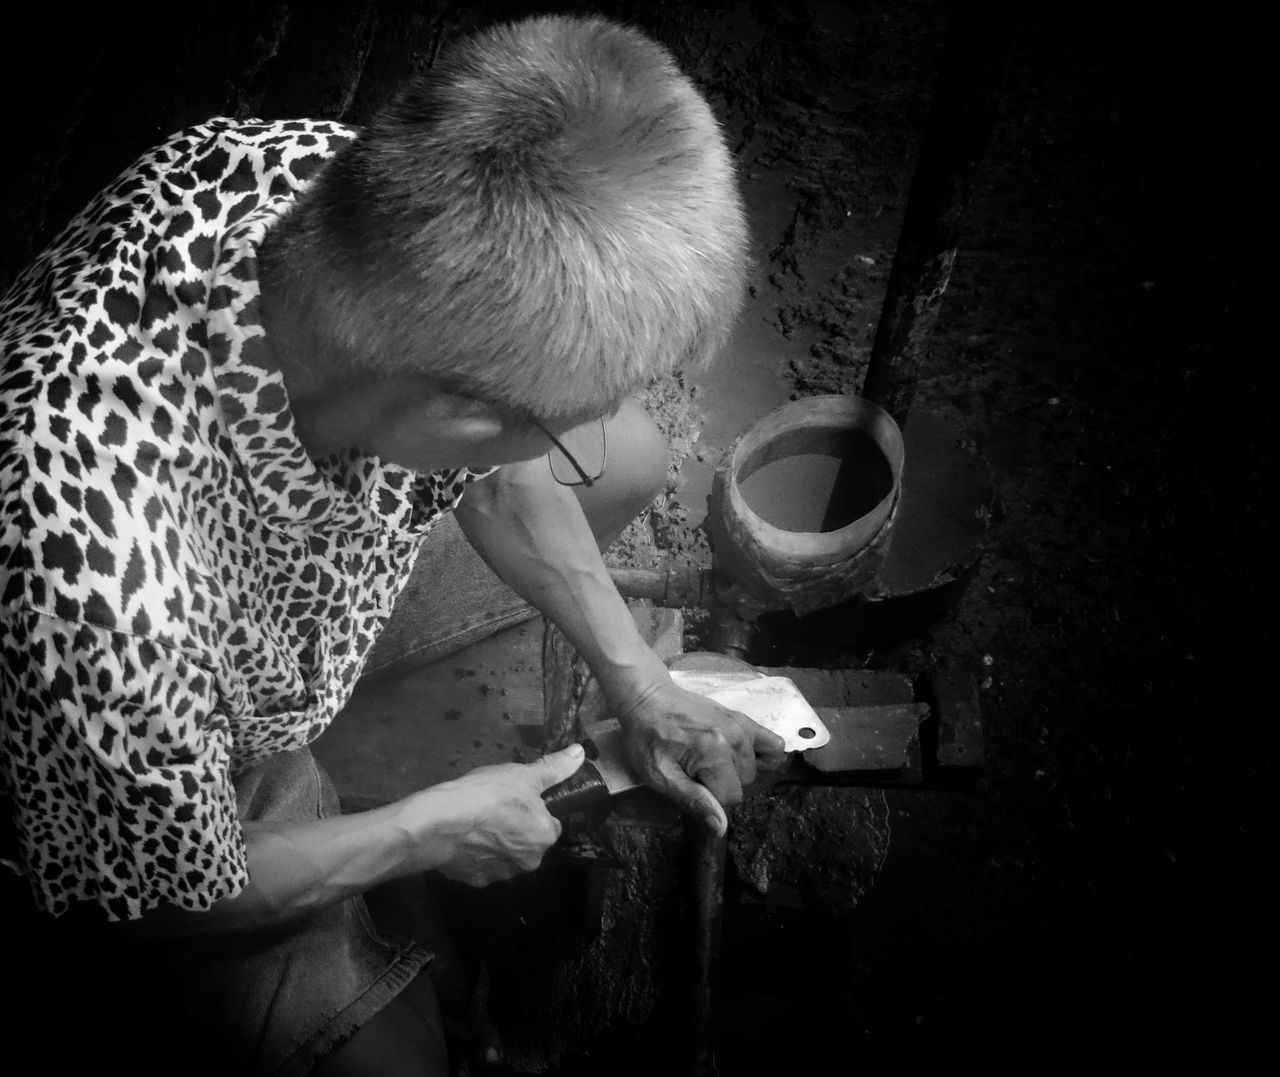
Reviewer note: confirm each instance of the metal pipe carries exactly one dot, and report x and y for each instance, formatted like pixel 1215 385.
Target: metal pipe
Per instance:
pixel 672 584
pixel 731 630
pixel 710 854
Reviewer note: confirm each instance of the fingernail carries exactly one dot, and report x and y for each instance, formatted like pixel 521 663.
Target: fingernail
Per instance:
pixel 576 749
pixel 492 1056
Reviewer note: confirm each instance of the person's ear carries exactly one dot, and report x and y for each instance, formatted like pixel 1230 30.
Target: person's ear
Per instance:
pixel 466 420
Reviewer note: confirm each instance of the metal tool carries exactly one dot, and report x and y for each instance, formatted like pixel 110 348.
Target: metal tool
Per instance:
pixel 773 702
pixel 605 773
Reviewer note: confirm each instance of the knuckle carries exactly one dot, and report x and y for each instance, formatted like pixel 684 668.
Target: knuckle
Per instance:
pixel 712 741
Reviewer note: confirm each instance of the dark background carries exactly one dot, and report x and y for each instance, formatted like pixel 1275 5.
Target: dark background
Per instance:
pixel 1103 893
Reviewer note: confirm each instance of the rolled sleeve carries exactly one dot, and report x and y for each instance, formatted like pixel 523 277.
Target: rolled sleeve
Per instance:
pixel 116 760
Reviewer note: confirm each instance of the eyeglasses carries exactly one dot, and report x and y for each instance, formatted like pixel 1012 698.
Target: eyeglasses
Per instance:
pixel 582 465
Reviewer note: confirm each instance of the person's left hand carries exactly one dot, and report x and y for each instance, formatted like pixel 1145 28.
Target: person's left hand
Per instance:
pixel 697 752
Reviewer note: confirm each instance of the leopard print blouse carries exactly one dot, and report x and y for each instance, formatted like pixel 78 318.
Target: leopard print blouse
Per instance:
pixel 183 590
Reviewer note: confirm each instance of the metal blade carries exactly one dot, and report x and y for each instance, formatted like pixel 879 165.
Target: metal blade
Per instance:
pixel 606 748
pixel 773 702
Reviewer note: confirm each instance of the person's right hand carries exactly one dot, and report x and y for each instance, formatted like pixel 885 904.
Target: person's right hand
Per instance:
pixel 492 822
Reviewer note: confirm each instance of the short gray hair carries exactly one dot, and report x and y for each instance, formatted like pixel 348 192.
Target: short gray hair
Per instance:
pixel 547 220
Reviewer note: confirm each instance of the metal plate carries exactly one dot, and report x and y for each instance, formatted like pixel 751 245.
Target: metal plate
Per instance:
pixel 773 702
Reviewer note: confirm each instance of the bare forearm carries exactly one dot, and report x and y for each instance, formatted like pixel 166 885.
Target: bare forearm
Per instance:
pixel 296 869
pixel 534 535
pixel 487 825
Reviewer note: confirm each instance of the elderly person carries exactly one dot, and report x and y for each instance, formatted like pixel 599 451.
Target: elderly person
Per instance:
pixel 240 391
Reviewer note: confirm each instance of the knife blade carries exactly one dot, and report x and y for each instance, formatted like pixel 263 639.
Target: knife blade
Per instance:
pixel 773 702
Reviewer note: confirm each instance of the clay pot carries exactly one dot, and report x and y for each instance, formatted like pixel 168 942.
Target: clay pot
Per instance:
pixel 803 505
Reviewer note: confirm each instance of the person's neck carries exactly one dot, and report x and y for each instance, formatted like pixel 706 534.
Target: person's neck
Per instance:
pixel 332 409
